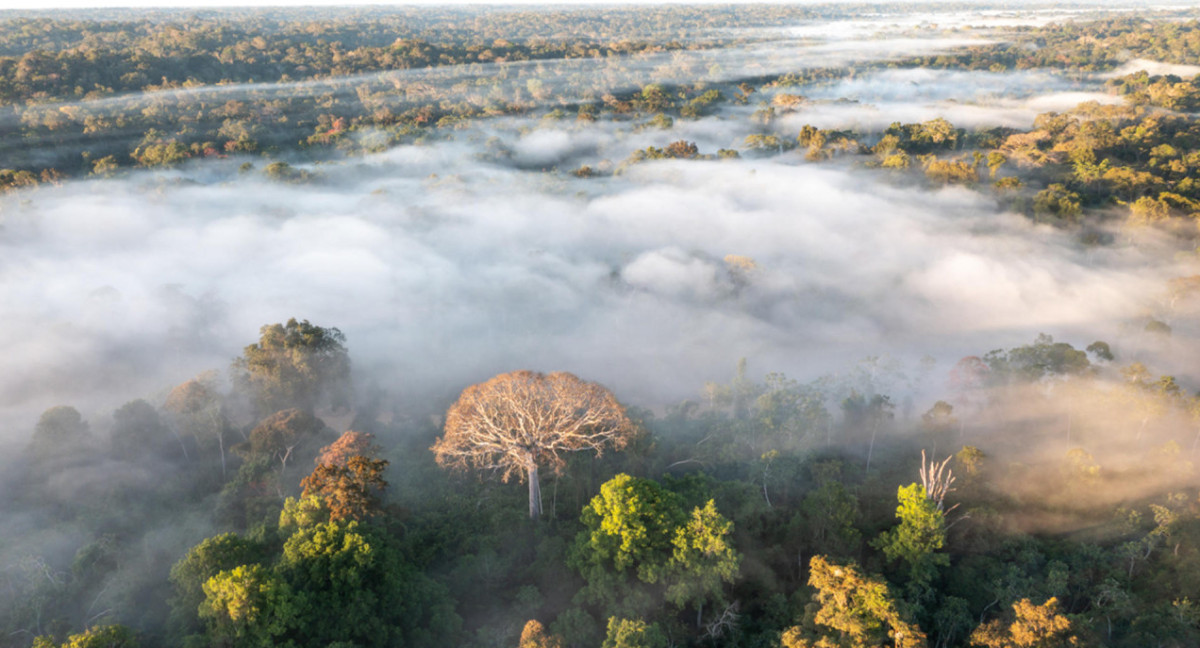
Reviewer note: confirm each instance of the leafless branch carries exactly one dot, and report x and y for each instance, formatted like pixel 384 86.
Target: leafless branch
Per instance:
pixel 937 480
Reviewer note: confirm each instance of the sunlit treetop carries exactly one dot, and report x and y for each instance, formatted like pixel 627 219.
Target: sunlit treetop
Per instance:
pixel 296 364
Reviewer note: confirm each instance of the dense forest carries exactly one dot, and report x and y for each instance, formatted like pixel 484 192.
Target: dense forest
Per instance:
pixel 1057 499
pixel 797 326
pixel 92 97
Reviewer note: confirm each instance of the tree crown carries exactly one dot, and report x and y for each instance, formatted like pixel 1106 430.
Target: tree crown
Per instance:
pixel 523 419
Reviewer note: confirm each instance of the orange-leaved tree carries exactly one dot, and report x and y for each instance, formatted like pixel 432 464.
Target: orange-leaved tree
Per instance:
pixel 351 491
pixel 519 421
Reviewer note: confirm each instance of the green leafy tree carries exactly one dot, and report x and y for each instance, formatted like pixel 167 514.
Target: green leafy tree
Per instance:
pixel 351 584
pixel 637 532
pixel 296 364
pixel 952 620
pixel 703 559
pixel 916 541
pixel 202 562
pixel 577 627
pixel 1044 359
pixel 631 525
pixel 828 514
pixel 60 432
pixel 138 432
pixel 106 636
pixel 653 98
pixel 305 511
pixel 633 633
pixel 1057 205
pixel 852 610
pixel 247 606
pixel 971 460
pixel 951 172
pixel 252 496
pixel 337 572
pixel 1032 626
pixel 334 583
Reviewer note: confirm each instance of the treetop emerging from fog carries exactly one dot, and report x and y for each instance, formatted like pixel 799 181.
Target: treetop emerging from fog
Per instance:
pixel 295 365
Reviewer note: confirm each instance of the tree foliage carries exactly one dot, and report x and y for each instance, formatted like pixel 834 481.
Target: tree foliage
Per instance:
pixel 332 582
pixel 296 364
pixel 60 432
pixel 350 491
pixel 632 525
pixel 854 610
pixel 246 607
pixel 139 432
pixel 920 535
pixel 633 633
pixel 103 636
pixel 703 559
pixel 1032 626
pixel 280 435
pixel 203 562
pixel 534 635
pixel 637 534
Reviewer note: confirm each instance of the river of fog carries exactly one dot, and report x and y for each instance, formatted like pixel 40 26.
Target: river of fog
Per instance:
pixel 448 262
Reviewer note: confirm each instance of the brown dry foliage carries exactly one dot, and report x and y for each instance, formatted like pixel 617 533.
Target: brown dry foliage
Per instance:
pixel 1034 626
pixel 191 397
pixel 523 418
pixel 350 444
pixel 350 491
pixel 534 636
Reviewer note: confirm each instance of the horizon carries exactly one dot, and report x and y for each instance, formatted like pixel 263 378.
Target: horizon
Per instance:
pixel 158 5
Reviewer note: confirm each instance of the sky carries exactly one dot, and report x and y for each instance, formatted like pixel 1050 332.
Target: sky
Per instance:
pixel 183 4
pixel 90 4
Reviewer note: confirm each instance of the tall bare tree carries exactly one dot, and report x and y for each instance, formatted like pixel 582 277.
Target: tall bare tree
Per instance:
pixel 519 421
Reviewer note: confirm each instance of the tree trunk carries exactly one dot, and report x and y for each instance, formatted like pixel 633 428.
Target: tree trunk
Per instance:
pixel 535 492
pixel 188 458
pixel 766 496
pixel 871 447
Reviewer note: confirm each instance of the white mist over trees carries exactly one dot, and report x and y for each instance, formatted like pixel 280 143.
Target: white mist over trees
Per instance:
pixel 807 326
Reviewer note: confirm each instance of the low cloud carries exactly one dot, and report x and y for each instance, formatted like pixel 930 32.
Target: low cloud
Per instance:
pixel 440 281
pixel 448 262
pixel 1153 68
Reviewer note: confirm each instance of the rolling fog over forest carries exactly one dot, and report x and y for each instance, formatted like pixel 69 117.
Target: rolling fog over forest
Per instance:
pixel 450 260
pixel 807 248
